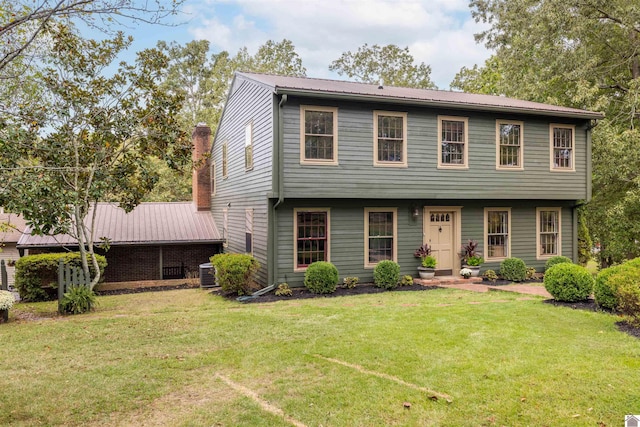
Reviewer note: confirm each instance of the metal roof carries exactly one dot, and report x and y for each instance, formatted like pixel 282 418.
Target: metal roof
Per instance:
pixel 17 226
pixel 436 98
pixel 147 224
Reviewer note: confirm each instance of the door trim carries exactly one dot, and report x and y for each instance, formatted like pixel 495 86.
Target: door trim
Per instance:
pixel 457 230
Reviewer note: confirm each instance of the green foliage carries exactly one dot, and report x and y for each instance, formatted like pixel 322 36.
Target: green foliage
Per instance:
pixel 568 282
pixel 386 274
pixel 387 65
pixel 407 280
pixel 235 272
pixel 284 290
pixel 585 243
pixel 37 275
pixel 469 254
pixel 604 293
pixel 513 269
pixel 350 282
pixel 559 259
pixel 321 277
pixel 490 275
pixel 627 286
pixel 429 261
pixel 474 261
pixel 78 299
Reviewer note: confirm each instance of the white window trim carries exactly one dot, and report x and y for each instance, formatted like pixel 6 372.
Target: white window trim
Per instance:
pixel 248 143
pixel 225 227
pixel 378 163
pixel 539 255
pixel 327 162
pixel 297 269
pixel 225 159
pixel 466 142
pixel 367 264
pixel 212 177
pixel 248 213
pixel 552 166
pixel 486 236
pixel 521 153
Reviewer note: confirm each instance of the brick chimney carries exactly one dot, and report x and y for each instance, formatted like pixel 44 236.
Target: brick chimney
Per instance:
pixel 201 181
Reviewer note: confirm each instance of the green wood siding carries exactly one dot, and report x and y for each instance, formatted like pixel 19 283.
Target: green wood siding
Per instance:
pixel 355 175
pixel 244 189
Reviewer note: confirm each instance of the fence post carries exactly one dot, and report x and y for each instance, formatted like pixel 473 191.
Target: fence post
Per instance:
pixel 4 281
pixel 61 284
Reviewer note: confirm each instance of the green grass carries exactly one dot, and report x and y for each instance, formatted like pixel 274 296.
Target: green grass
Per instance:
pixel 189 358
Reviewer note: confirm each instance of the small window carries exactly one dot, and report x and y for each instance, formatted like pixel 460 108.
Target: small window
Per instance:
pixel 562 147
pixel 224 160
pixel 225 227
pixel 380 229
pixel 390 139
pixel 318 135
pixel 497 233
pixel 248 146
pixel 311 231
pixel 453 144
pixel 548 232
pixel 248 230
pixel 509 145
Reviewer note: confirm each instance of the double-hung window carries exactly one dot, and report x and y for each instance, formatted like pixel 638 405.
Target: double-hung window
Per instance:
pixel 562 147
pixel 453 144
pixel 248 146
pixel 390 139
pixel 318 135
pixel 311 231
pixel 497 233
pixel 548 232
pixel 509 145
pixel 380 230
pixel 224 160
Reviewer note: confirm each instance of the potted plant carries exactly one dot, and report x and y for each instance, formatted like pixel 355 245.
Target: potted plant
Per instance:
pixel 471 258
pixel 6 302
pixel 427 269
pixel 466 272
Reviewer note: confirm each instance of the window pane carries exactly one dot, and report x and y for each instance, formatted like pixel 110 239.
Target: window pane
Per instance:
pixel 311 237
pixel 497 234
pixel 390 138
pixel 380 236
pixel 510 144
pixel 318 135
pixel 563 147
pixel 452 142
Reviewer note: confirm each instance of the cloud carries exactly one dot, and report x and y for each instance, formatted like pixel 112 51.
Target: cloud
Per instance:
pixel 437 32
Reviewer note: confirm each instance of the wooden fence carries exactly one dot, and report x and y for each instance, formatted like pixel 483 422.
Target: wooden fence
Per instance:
pixel 4 281
pixel 68 276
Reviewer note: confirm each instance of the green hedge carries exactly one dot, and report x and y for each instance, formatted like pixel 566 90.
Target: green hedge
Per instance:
pixel 603 290
pixel 513 269
pixel 558 259
pixel 37 275
pixel 386 274
pixel 235 272
pixel 626 284
pixel 568 282
pixel 321 277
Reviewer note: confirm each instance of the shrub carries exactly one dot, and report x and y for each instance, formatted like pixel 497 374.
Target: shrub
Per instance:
pixel 350 282
pixel 78 299
pixel 321 277
pixel 513 269
pixel 603 290
pixel 568 282
pixel 490 275
pixel 531 273
pixel 558 259
pixel 406 280
pixel 37 275
pixel 627 286
pixel 284 290
pixel 6 300
pixel 235 272
pixel 429 262
pixel 386 274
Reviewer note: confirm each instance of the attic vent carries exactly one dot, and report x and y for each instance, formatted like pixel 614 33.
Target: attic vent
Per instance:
pixel 380 87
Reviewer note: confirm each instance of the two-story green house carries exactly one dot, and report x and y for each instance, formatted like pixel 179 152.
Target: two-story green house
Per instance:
pixel 310 169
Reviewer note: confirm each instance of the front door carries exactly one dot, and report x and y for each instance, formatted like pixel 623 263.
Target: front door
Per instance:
pixel 440 238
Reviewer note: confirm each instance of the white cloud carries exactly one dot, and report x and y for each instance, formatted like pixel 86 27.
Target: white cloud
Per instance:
pixel 437 32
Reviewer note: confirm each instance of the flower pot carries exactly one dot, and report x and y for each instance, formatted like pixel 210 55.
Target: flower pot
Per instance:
pixel 475 270
pixel 426 273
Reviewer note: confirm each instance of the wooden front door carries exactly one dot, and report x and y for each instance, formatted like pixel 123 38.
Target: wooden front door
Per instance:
pixel 441 237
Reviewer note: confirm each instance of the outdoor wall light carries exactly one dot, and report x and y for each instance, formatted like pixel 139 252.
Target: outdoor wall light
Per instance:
pixel 415 212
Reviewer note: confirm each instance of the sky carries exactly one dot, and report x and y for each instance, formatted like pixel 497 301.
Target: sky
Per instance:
pixel 439 33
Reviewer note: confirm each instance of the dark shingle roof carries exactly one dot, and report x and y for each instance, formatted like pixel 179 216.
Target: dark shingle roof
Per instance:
pixel 436 98
pixel 148 223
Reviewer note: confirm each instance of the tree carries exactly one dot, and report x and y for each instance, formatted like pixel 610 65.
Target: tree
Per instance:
pixel 89 138
pixel 24 23
pixel 580 54
pixel 387 65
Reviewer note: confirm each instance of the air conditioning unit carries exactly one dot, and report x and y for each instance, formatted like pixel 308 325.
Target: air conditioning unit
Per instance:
pixel 207 278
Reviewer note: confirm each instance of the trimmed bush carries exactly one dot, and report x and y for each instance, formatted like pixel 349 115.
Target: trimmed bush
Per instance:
pixel 407 280
pixel 321 277
pixel 603 290
pixel 558 259
pixel 490 275
pixel 78 299
pixel 627 286
pixel 235 272
pixel 37 275
pixel 350 282
pixel 513 269
pixel 568 282
pixel 386 274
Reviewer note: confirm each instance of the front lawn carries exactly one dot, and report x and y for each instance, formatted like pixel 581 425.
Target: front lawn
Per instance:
pixel 188 358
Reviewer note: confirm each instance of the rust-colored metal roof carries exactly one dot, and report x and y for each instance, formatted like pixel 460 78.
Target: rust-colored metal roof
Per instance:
pixel 16 224
pixel 435 98
pixel 147 224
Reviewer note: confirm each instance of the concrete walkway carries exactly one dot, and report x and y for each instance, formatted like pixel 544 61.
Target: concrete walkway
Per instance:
pixel 475 284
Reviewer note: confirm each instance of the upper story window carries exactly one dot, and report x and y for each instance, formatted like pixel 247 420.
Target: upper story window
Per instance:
pixel 311 231
pixel 248 146
pixel 497 233
pixel 224 160
pixel 318 135
pixel 453 142
pixel 548 232
pixel 212 176
pixel 381 229
pixel 509 145
pixel 390 139
pixel 562 147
